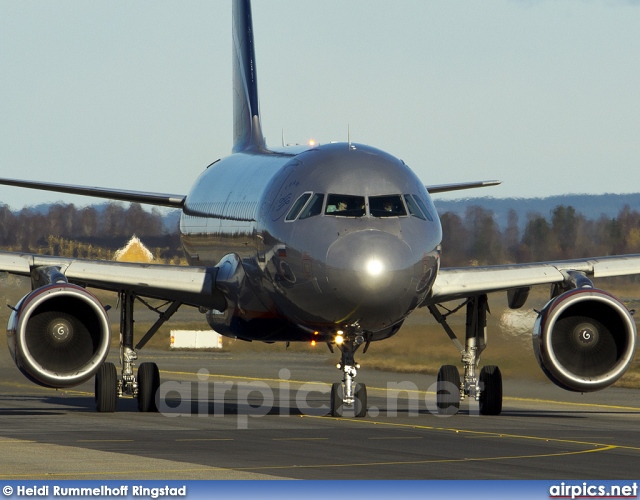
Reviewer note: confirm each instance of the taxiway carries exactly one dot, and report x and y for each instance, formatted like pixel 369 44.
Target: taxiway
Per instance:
pixel 264 417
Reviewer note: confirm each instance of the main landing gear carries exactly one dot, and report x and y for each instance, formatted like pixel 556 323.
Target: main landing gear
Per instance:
pixel 108 387
pixel 485 388
pixel 348 393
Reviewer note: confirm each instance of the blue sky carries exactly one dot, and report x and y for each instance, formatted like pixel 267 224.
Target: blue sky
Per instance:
pixel 543 95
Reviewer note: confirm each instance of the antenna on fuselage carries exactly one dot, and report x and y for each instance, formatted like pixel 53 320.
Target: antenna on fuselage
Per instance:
pixel 349 138
pixel 282 137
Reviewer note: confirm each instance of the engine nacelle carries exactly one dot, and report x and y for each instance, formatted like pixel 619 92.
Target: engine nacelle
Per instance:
pixel 59 335
pixel 584 339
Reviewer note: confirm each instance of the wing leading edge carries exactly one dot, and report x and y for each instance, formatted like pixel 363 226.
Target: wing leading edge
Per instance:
pixel 444 188
pixel 161 199
pixel 454 283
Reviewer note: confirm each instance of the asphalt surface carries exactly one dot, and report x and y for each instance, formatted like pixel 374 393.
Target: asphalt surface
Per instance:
pixel 263 416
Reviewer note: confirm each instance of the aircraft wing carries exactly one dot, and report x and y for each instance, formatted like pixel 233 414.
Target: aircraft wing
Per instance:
pixel 161 199
pixel 190 285
pixel 444 188
pixel 455 283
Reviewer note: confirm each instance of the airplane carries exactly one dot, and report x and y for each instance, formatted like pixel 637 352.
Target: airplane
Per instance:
pixel 335 243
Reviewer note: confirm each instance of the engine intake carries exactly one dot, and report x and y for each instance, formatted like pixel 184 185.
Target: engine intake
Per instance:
pixel 59 335
pixel 584 339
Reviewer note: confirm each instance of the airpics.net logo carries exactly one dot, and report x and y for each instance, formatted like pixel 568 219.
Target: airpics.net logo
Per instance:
pixel 587 490
pixel 256 398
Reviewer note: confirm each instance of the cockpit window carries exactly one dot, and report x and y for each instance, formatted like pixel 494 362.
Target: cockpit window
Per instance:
pixel 297 206
pixel 423 207
pixel 314 207
pixel 387 206
pixel 344 205
pixel 413 207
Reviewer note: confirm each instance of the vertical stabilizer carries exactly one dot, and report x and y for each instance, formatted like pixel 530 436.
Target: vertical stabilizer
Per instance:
pixel 247 132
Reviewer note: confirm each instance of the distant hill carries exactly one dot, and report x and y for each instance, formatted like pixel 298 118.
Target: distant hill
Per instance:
pixel 592 206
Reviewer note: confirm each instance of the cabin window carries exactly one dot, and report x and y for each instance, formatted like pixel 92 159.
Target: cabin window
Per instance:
pixel 387 206
pixel 298 206
pixel 423 207
pixel 413 207
pixel 314 207
pixel 343 205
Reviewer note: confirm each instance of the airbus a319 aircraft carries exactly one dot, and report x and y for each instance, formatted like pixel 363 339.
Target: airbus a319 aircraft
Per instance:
pixel 335 243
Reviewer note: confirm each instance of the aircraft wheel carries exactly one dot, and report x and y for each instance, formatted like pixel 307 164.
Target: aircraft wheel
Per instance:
pixel 361 400
pixel 148 385
pixel 448 390
pixel 106 388
pixel 336 399
pixel 490 390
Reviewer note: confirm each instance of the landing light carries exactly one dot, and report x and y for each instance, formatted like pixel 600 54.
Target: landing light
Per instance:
pixel 313 343
pixel 339 338
pixel 374 267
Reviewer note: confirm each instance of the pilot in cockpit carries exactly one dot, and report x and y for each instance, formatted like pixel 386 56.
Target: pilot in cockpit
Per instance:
pixel 342 206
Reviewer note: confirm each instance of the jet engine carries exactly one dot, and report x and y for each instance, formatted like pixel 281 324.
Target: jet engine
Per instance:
pixel 59 335
pixel 584 339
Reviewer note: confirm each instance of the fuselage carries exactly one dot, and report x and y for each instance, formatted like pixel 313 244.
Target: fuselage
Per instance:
pixel 334 237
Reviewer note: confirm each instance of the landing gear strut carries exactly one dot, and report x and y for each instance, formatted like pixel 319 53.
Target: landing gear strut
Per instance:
pixel 485 388
pixel 348 393
pixel 144 386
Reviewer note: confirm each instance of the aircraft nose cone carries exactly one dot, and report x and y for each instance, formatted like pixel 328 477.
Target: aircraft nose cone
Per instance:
pixel 371 272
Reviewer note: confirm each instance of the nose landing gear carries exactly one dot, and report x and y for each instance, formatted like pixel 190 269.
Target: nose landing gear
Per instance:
pixel 348 393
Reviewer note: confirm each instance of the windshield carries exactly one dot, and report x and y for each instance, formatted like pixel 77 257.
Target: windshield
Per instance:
pixel 297 206
pixel 344 205
pixel 387 206
pixel 314 207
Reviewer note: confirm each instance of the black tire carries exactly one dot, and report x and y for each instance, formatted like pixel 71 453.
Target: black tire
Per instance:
pixel 448 390
pixel 490 390
pixel 148 385
pixel 106 388
pixel 360 400
pixel 336 399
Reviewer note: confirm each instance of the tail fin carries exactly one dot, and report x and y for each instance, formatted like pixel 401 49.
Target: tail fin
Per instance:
pixel 247 132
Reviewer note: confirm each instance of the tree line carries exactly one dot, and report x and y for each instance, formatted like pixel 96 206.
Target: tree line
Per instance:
pixel 472 239
pixel 87 232
pixel 476 239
